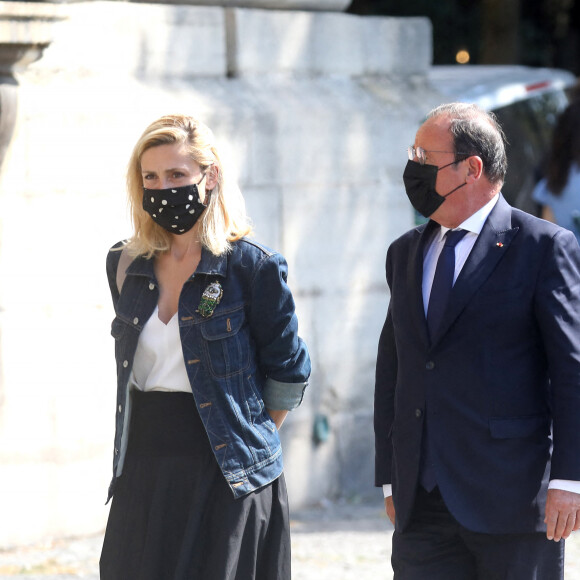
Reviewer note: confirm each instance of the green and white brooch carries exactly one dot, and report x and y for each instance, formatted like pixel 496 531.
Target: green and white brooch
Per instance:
pixel 210 299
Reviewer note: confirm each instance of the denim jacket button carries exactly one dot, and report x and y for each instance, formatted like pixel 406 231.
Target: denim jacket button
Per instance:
pixel 125 364
pixel 135 320
pixel 151 286
pixel 120 408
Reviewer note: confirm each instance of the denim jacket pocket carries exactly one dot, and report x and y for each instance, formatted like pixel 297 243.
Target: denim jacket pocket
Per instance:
pixel 226 343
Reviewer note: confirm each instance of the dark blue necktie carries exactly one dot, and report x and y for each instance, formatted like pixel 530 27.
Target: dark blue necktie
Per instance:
pixel 440 291
pixel 443 280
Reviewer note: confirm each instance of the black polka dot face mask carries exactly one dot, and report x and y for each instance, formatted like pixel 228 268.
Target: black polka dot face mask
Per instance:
pixel 175 209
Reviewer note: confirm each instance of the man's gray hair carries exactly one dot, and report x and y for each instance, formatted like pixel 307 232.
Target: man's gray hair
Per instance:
pixel 476 132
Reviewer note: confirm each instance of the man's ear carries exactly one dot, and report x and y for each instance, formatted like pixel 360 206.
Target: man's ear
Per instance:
pixel 474 168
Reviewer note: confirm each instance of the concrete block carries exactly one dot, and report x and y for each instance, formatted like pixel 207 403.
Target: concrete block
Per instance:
pixel 348 253
pixel 312 472
pixel 400 46
pixel 146 40
pixel 45 500
pixel 307 43
pixel 319 154
pixel 263 42
pixel 29 22
pixel 342 332
pixel 263 50
pixel 305 130
pixel 341 467
pixel 356 450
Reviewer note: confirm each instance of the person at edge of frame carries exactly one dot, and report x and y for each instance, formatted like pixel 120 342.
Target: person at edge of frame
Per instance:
pixel 558 193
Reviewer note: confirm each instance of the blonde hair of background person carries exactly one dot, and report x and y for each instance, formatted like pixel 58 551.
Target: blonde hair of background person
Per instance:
pixel 224 221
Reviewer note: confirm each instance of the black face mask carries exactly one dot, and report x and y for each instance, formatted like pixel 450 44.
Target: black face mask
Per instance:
pixel 176 209
pixel 419 183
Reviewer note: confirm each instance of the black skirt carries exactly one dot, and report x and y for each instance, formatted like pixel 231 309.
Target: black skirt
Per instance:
pixel 174 517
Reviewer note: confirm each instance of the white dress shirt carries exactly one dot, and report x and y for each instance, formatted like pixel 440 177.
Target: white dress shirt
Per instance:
pixel 473 225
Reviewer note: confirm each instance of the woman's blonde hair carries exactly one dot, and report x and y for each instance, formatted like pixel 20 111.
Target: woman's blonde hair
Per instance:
pixel 224 221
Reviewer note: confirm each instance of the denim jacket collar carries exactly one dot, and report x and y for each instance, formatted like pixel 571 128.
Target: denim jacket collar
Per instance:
pixel 208 264
pixel 211 264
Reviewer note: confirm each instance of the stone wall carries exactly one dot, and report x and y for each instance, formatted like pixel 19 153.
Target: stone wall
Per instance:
pixel 314 111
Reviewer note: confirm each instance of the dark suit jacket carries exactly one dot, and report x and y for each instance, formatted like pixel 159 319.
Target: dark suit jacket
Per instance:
pixel 503 369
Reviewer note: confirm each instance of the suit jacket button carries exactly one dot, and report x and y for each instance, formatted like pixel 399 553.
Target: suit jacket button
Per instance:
pixel 418 413
pixel 430 365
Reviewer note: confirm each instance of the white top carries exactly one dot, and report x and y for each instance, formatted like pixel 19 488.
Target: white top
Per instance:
pixel 159 364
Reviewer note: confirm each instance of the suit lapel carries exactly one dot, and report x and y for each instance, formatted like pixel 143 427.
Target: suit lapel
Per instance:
pixel 415 277
pixel 490 247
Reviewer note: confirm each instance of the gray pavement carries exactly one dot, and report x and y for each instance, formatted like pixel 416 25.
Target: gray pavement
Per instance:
pixel 345 541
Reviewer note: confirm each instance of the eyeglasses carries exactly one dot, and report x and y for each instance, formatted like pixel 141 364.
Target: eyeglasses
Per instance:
pixel 421 154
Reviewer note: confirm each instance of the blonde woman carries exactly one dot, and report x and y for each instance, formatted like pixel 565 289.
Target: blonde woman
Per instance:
pixel 209 362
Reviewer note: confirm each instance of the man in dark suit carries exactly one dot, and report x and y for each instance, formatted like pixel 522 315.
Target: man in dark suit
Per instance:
pixel 477 397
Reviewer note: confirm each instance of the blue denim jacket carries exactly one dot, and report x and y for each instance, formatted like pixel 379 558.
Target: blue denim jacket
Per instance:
pixel 245 357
